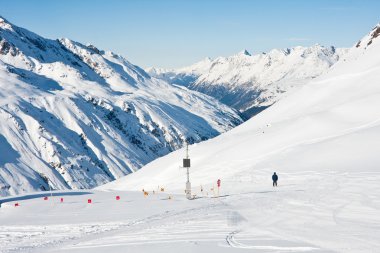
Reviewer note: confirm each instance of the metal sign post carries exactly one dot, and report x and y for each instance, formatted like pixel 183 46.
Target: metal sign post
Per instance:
pixel 186 164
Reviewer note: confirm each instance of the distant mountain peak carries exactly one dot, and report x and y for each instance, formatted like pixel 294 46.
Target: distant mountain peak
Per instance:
pixel 207 59
pixel 3 20
pixel 5 24
pixel 375 32
pixel 244 52
pixel 250 83
pixel 94 49
pixel 369 38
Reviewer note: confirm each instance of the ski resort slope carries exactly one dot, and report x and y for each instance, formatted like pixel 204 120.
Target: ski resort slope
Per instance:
pixel 127 225
pixel 331 124
pixel 323 141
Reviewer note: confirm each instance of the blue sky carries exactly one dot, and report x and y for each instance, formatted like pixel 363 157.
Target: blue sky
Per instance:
pixel 168 33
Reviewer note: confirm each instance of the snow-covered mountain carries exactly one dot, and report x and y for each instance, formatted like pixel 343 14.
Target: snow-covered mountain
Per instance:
pixel 323 141
pixel 251 83
pixel 332 124
pixel 74 116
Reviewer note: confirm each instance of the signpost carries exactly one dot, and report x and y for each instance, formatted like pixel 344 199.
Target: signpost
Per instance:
pixel 186 164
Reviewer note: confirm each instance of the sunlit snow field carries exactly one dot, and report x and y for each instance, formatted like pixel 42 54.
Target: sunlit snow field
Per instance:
pixel 323 140
pixel 308 212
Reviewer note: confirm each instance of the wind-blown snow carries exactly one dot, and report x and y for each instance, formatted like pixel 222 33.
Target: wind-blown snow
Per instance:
pixel 74 116
pixel 251 83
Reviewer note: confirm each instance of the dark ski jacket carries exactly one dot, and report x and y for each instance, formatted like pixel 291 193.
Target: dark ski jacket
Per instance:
pixel 275 177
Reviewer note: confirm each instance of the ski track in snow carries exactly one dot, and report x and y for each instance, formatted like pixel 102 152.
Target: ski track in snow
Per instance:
pixel 258 221
pixel 46 238
pixel 231 240
pixel 128 231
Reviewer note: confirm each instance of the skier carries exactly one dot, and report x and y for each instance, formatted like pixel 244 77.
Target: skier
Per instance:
pixel 274 178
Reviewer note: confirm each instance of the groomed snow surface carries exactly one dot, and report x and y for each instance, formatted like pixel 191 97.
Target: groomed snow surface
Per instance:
pixel 309 212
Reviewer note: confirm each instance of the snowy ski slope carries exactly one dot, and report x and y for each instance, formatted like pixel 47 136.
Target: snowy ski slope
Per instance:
pixel 331 124
pixel 323 141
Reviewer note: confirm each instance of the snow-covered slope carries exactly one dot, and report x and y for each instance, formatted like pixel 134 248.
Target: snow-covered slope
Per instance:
pixel 330 125
pixel 323 141
pixel 250 83
pixel 74 116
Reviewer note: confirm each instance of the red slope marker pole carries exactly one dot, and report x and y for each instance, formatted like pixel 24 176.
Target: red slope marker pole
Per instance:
pixel 218 182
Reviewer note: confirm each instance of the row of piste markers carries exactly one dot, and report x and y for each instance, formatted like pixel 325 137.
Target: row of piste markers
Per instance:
pixel 146 194
pixel 89 201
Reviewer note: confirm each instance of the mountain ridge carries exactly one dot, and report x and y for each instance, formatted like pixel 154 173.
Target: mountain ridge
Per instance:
pixel 75 117
pixel 248 82
pixel 331 126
